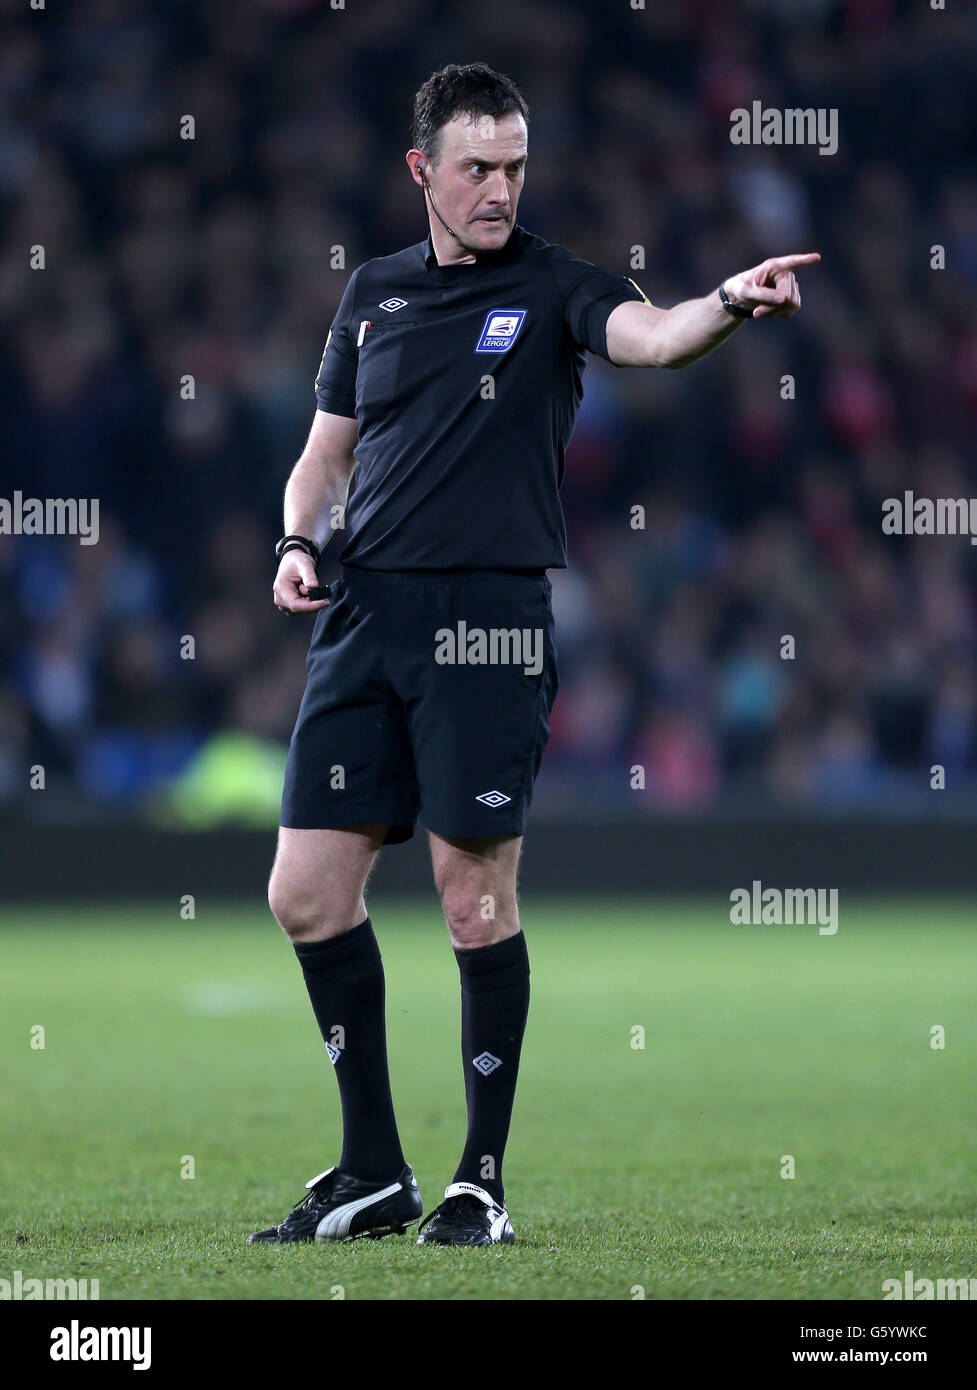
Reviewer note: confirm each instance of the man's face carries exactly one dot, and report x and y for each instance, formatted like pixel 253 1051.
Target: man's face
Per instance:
pixel 478 178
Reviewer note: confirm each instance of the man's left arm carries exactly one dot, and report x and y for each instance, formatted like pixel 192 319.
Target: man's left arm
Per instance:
pixel 641 335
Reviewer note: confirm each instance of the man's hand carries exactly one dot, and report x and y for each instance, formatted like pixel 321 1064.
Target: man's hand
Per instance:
pixel 296 575
pixel 770 287
pixel 641 335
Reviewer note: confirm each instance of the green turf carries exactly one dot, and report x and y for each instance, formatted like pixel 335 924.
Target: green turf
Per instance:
pixel 657 1167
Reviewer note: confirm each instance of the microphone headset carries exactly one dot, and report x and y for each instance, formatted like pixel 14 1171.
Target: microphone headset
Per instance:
pixel 427 189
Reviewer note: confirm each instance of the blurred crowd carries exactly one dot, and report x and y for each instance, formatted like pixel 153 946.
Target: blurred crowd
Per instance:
pixel 761 500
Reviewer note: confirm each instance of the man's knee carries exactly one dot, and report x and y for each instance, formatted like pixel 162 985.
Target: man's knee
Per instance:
pixel 307 912
pixel 318 879
pixel 296 911
pixel 476 882
pixel 476 915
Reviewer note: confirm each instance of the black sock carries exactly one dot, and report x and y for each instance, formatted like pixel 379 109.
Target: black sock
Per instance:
pixel 494 1009
pixel 344 977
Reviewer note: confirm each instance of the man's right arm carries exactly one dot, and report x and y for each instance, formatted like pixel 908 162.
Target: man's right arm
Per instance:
pixel 318 485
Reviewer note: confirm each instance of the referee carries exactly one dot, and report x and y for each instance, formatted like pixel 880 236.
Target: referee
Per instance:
pixel 448 389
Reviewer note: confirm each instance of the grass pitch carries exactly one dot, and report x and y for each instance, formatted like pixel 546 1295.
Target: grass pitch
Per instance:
pixel 655 1166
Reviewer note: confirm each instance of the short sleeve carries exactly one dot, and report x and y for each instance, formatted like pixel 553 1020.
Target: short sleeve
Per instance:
pixel 589 297
pixel 335 386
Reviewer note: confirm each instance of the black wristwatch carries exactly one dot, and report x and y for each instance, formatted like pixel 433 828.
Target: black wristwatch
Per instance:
pixel 288 543
pixel 736 310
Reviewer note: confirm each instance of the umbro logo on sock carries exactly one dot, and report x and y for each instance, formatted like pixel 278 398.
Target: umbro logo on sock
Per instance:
pixel 486 1063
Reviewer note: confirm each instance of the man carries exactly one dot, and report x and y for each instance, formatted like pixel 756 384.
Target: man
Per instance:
pixel 450 382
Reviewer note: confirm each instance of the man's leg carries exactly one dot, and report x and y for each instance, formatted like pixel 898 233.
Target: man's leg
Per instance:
pixel 476 880
pixel 316 894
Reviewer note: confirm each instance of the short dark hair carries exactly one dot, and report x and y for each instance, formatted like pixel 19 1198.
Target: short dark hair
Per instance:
pixel 461 89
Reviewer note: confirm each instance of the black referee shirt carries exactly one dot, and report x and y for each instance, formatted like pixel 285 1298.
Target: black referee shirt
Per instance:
pixel 453 471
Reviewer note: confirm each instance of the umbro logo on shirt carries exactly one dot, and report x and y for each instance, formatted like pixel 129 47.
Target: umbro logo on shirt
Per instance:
pixel 501 330
pixel 392 305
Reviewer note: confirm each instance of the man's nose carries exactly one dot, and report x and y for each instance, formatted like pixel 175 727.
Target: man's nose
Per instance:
pixel 499 188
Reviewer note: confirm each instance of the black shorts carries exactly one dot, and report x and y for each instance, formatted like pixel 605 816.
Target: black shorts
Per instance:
pixel 428 695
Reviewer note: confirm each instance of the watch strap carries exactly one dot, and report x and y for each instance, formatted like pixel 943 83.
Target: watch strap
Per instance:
pixel 735 309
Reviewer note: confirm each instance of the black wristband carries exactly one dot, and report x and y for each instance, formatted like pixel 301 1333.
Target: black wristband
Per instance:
pixel 297 543
pixel 735 309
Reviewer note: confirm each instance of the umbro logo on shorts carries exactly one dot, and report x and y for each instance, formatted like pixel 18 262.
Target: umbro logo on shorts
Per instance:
pixel 486 1063
pixel 493 799
pixel 392 305
pixel 334 1053
pixel 501 329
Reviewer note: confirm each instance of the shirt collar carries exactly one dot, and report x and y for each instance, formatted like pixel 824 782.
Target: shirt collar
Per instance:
pixel 499 257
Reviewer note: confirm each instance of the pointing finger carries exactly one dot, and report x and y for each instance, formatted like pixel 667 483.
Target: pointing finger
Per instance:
pixel 789 262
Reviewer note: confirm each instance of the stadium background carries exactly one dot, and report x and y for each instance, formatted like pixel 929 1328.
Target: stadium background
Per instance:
pixel 212 257
pixel 175 1023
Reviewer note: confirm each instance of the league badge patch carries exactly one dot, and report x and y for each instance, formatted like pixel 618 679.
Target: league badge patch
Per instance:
pixel 501 330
